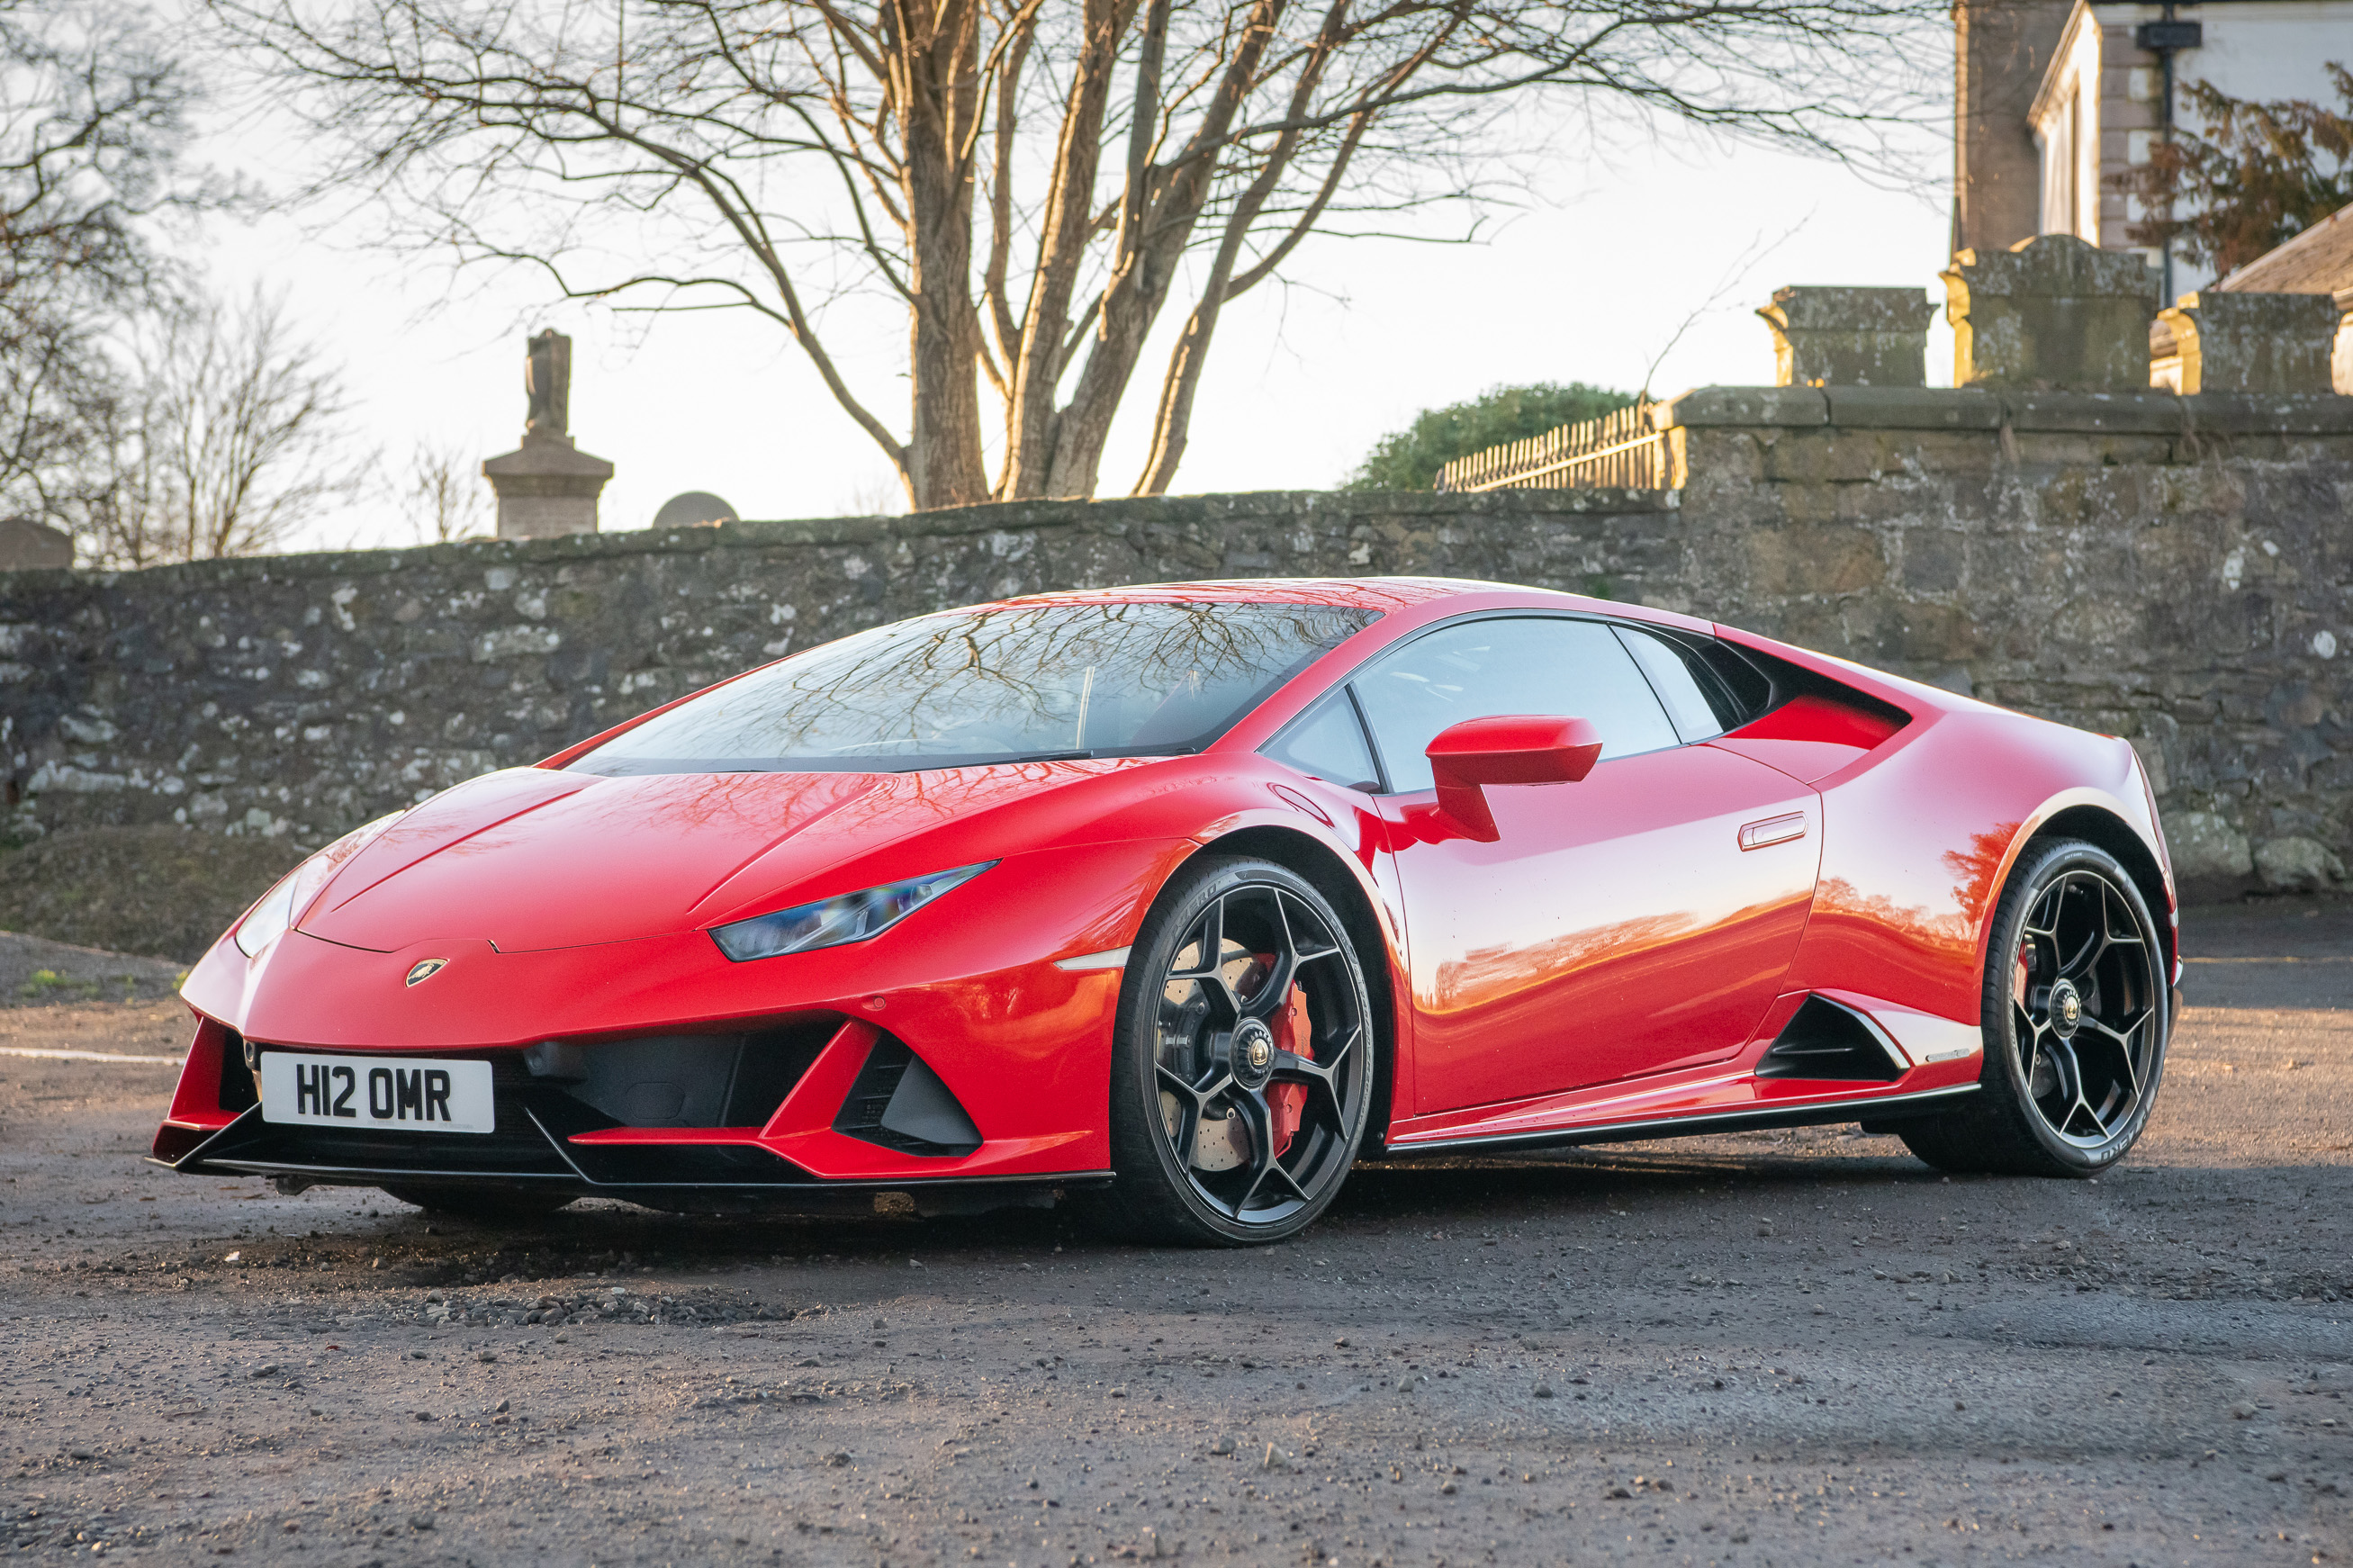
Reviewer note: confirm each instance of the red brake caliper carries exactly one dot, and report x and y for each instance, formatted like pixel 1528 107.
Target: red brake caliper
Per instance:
pixel 1288 1101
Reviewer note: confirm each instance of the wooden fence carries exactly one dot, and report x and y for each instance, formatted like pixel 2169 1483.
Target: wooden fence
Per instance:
pixel 1621 448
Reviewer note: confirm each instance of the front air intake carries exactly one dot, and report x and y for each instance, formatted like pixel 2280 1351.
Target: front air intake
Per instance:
pixel 683 1080
pixel 1825 1040
pixel 899 1104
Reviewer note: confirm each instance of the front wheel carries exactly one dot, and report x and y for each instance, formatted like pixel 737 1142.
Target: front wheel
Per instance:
pixel 2077 1013
pixel 1243 1060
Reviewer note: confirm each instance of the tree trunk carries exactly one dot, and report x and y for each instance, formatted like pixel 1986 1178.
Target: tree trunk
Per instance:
pixel 1164 203
pixel 1062 250
pixel 938 94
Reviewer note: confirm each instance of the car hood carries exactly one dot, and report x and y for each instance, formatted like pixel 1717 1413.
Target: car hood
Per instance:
pixel 533 859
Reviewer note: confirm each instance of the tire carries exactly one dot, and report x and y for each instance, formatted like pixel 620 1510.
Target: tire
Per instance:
pixel 1208 1073
pixel 484 1202
pixel 2065 1091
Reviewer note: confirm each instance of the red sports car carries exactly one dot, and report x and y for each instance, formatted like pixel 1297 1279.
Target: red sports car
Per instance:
pixel 1177 900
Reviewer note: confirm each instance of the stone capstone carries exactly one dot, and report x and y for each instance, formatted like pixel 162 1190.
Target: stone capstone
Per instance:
pixel 2053 313
pixel 1849 337
pixel 2278 343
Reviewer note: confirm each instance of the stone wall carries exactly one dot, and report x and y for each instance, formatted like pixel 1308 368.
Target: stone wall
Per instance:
pixel 303 694
pixel 2179 571
pixel 2175 570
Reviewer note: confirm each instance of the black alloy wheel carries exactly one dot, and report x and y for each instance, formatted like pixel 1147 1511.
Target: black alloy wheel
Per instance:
pixel 1242 1069
pixel 2077 1013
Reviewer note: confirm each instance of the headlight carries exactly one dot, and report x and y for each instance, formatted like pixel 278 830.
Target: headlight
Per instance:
pixel 266 921
pixel 830 922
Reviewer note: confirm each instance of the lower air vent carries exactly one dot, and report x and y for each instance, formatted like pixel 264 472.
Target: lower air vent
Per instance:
pixel 683 1080
pixel 900 1102
pixel 1826 1040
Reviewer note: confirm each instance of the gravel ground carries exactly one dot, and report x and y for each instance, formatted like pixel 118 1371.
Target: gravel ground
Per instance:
pixel 36 972
pixel 1787 1348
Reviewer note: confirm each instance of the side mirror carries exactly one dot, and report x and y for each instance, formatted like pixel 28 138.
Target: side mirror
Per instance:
pixel 1509 749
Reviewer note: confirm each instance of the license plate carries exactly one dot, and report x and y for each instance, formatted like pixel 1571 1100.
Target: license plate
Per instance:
pixel 405 1094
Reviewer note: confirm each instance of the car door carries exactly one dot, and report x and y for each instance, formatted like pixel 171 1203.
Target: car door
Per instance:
pixel 1638 919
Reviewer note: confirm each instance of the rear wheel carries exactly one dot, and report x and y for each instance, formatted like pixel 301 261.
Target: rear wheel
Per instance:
pixel 2077 1013
pixel 1242 1065
pixel 485 1202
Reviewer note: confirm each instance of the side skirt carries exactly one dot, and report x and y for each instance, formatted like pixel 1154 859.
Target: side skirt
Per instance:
pixel 1872 1108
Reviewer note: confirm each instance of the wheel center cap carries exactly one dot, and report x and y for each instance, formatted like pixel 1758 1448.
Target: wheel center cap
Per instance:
pixel 1253 1054
pixel 2066 1010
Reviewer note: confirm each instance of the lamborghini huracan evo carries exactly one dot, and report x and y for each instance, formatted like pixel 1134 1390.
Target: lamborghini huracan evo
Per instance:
pixel 1177 900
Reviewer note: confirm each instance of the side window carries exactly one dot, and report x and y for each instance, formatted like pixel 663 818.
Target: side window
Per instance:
pixel 1328 744
pixel 1481 669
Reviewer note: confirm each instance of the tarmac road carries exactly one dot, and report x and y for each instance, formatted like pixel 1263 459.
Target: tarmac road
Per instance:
pixel 1773 1349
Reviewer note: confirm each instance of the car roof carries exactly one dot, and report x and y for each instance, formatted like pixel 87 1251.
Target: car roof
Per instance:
pixel 1364 593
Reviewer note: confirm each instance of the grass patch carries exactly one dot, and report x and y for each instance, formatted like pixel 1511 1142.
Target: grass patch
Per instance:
pixel 167 893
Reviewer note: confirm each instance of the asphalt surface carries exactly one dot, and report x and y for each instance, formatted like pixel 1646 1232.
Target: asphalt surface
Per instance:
pixel 1786 1348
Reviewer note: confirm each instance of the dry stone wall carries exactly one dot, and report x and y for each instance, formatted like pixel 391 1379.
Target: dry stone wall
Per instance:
pixel 2179 571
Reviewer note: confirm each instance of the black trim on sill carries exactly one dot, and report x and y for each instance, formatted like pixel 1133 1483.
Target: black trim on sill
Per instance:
pixel 1822 1111
pixel 369 1176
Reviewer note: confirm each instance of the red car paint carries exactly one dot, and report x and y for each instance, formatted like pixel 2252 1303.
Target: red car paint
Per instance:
pixel 1613 959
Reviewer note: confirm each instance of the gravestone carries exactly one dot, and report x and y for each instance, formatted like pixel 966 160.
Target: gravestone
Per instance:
pixel 2253 343
pixel 694 509
pixel 2051 313
pixel 1849 337
pixel 26 544
pixel 547 486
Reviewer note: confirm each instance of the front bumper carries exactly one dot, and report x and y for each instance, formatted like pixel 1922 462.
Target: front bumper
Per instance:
pixel 528 1154
pixel 837 1107
pixel 952 1050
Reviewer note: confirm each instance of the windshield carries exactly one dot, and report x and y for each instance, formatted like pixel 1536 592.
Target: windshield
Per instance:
pixel 1019 684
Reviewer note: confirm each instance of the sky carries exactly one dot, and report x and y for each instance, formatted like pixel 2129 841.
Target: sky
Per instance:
pixel 1603 272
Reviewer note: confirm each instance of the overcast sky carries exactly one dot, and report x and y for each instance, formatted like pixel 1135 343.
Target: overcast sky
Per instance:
pixel 1589 281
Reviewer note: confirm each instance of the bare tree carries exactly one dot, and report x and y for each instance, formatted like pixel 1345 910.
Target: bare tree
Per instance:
pixel 228 435
pixel 94 119
pixel 1035 184
pixel 443 492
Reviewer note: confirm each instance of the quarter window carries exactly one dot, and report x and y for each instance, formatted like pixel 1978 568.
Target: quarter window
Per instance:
pixel 1678 686
pixel 1695 679
pixel 1329 744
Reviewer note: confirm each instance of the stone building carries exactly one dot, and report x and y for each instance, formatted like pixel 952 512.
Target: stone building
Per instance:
pixel 2053 99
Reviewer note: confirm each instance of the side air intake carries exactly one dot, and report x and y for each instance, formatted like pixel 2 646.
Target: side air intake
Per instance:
pixel 1825 1040
pixel 899 1104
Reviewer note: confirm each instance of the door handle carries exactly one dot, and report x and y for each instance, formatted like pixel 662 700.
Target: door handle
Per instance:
pixel 1773 830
